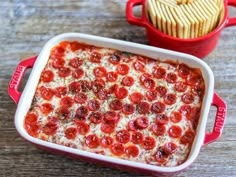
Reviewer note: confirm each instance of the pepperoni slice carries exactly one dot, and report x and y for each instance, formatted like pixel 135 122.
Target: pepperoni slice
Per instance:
pixel 183 70
pixel 113 88
pixel 67 101
pixel 57 52
pixel 111 117
pixel 122 69
pixel 63 113
pixel 162 119
pixel 131 151
pixel 85 85
pixel 141 122
pixel 158 107
pixel 159 72
pixel 64 44
pixel 71 133
pixel 95 57
pixel 74 45
pixel 117 149
pixel 53 119
pixel 96 117
pixel 82 127
pixel 99 72
pixel 111 76
pixel 160 156
pixel 158 130
pixel 75 62
pixel 80 98
pixel 121 93
pixel 180 87
pixel 170 99
pixel 148 143
pixel 50 128
pixel 143 108
pixel 58 63
pixel 32 130
pixel 139 66
pixel 97 85
pixel 46 93
pixel 60 91
pixel 149 83
pixel 137 137
pixel 31 119
pixel 123 136
pixel 132 126
pixel 77 73
pixel 74 87
pixel 47 76
pixel 175 117
pixel 127 81
pixel 151 95
pixel 116 105
pixel 171 78
pixel 92 141
pixel 169 148
pixel 114 59
pixel 107 127
pixel 186 110
pixel 64 72
pixel 188 98
pixel 199 90
pixel 187 138
pixel 161 90
pixel 136 97
pixel 81 112
pixel 46 108
pixel 144 76
pixel 93 105
pixel 106 141
pixel 194 79
pixel 175 131
pixel 102 94
pixel 128 109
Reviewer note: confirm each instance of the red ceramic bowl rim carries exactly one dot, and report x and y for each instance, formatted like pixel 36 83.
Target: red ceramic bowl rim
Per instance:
pixel 216 30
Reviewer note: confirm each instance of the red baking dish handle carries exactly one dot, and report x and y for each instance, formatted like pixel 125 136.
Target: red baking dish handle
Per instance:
pixel 231 21
pixel 129 13
pixel 219 120
pixel 17 77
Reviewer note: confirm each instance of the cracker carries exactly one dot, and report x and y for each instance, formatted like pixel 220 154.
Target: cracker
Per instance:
pixel 193 21
pixel 158 16
pixel 180 26
pixel 199 18
pixel 152 12
pixel 214 10
pixel 171 3
pixel 185 22
pixel 173 24
pixel 163 19
pixel 207 15
pixel 168 21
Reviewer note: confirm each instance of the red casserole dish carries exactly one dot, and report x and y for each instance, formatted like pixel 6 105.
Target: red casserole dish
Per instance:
pixel 24 100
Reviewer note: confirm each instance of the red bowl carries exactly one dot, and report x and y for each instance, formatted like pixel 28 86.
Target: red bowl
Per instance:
pixel 199 47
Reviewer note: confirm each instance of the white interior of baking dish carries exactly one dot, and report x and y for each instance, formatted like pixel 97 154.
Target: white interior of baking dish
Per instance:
pixel 153 52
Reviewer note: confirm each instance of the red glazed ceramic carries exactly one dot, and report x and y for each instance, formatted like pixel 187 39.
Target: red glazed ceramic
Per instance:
pixel 199 47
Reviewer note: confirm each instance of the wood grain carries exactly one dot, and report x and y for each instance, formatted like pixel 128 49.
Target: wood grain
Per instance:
pixel 26 25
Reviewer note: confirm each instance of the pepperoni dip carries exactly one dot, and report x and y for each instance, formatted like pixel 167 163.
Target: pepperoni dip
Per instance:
pixel 117 104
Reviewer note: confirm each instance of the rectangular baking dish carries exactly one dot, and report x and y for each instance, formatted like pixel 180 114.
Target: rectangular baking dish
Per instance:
pixel 37 63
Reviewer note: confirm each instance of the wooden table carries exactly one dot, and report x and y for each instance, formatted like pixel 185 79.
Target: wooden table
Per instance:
pixel 26 25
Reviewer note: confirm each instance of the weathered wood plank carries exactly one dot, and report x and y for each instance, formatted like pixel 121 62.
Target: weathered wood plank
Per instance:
pixel 26 26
